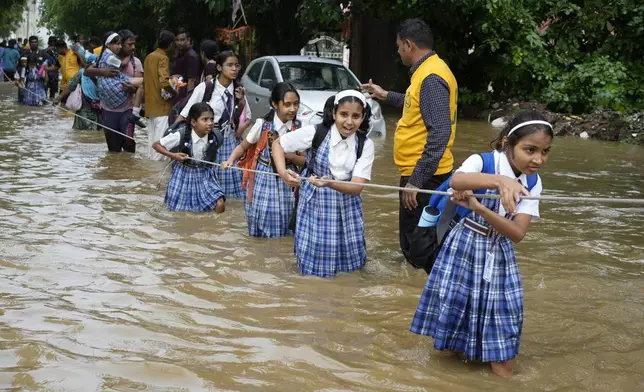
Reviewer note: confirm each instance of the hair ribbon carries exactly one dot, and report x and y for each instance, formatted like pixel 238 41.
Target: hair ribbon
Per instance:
pixel 350 93
pixel 526 123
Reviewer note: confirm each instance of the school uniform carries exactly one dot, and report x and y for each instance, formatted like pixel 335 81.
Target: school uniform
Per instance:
pixel 193 186
pixel 223 104
pixel 271 201
pixel 35 90
pixel 110 89
pixel 329 235
pixel 458 308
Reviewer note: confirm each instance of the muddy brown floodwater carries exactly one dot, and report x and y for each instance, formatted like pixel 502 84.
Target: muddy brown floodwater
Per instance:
pixel 103 289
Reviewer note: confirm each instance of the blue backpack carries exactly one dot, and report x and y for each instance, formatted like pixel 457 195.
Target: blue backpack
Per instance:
pixel 428 236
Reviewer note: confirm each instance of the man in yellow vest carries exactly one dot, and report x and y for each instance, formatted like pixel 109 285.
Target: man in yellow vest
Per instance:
pixel 425 133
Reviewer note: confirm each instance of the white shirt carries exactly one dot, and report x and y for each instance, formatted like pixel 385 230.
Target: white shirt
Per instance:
pixel 199 144
pixel 216 102
pixel 474 164
pixel 342 152
pixel 278 125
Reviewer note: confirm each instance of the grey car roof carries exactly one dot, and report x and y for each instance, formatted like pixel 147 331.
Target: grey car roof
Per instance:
pixel 310 59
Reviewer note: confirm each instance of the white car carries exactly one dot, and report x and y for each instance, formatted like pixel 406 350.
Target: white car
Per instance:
pixel 315 79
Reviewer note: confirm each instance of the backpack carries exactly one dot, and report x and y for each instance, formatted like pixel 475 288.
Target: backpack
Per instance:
pixel 320 134
pixel 215 140
pixel 252 155
pixel 427 238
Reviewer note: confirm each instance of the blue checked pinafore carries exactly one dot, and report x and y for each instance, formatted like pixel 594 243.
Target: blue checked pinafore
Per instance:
pixel 272 204
pixel 35 89
pixel 193 188
pixel 230 180
pixel 329 234
pixel 460 310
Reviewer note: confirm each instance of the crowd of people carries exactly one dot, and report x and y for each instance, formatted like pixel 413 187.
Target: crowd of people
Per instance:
pixel 199 118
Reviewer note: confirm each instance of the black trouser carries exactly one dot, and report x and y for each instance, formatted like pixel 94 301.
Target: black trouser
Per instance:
pixel 408 219
pixel 118 121
pixel 52 86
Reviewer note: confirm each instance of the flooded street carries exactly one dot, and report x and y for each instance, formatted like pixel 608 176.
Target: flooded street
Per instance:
pixel 103 289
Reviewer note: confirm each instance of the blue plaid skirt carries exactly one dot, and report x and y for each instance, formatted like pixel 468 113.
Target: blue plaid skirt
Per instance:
pixel 329 234
pixel 192 189
pixel 230 180
pixel 268 214
pixel 461 311
pixel 34 93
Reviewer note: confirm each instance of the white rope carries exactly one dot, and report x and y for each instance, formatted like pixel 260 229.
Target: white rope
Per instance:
pixel 389 187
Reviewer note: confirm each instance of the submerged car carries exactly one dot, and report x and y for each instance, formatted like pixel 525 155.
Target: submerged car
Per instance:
pixel 316 79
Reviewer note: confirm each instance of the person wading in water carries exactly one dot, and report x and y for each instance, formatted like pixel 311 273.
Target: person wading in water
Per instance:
pixel 426 130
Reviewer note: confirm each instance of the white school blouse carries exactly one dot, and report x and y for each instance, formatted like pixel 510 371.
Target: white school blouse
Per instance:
pixel 474 164
pixel 199 144
pixel 278 125
pixel 216 102
pixel 342 152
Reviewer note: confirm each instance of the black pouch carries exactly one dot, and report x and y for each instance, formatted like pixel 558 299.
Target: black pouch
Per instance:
pixel 426 242
pixel 424 248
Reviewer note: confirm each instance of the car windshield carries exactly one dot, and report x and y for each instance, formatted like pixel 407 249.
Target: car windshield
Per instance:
pixel 318 76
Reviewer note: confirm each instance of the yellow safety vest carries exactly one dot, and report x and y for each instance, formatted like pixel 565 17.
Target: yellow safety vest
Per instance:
pixel 411 134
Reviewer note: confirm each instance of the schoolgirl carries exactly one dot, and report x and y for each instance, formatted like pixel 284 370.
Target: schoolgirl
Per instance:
pixel 232 115
pixel 269 201
pixel 33 84
pixel 20 75
pixel 473 300
pixel 193 185
pixel 329 234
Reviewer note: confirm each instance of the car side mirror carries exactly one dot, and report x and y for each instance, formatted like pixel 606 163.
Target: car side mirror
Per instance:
pixel 267 83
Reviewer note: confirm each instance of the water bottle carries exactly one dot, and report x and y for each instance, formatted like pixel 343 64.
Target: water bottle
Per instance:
pixel 430 217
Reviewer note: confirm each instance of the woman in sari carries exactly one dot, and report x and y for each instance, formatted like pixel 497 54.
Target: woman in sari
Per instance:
pixel 90 108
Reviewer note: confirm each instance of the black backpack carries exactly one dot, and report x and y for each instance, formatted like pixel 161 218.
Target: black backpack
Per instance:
pixel 320 134
pixel 215 140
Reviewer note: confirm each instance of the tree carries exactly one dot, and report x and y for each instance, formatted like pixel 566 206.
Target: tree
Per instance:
pixel 147 17
pixel 144 17
pixel 278 31
pixel 572 54
pixel 11 14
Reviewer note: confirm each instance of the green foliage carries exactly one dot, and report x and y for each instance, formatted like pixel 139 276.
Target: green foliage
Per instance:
pixel 96 17
pixel 573 55
pixel 11 15
pixel 201 17
pixel 595 82
pixel 323 16
pixel 474 98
